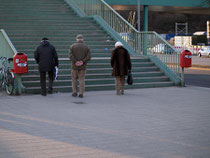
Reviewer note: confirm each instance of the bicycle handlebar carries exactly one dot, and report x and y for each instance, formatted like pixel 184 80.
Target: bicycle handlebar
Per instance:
pixel 3 59
pixel 4 63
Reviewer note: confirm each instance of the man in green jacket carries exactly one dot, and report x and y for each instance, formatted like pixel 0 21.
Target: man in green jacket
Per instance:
pixel 79 55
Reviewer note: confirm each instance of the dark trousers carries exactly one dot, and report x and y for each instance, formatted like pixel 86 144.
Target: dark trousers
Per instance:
pixel 43 81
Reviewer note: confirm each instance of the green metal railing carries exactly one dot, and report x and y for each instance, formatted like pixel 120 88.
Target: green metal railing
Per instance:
pixel 143 43
pixel 157 46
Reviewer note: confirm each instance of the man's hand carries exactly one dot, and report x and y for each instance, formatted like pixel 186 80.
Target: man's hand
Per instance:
pixel 79 63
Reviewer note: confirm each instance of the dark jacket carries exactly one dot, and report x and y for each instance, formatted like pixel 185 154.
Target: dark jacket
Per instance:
pixel 79 52
pixel 120 61
pixel 46 56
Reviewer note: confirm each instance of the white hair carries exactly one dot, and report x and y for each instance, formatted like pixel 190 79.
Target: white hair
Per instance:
pixel 118 44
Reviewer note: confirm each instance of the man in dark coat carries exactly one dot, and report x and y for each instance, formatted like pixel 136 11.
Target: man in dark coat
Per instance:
pixel 46 57
pixel 121 64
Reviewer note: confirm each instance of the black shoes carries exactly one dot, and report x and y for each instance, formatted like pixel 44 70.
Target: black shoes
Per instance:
pixel 44 94
pixel 74 94
pixel 81 95
pixel 50 92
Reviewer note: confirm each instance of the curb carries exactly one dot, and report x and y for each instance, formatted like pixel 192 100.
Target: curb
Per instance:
pixel 201 66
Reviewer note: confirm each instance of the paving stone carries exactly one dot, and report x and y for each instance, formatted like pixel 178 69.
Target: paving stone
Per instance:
pixel 144 123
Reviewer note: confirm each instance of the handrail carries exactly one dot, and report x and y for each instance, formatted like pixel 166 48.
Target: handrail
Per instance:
pixel 142 43
pixel 166 42
pixel 119 16
pixel 157 46
pixel 8 40
pixel 6 47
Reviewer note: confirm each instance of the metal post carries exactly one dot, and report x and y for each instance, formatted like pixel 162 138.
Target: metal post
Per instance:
pixel 145 29
pixel 19 88
pixel 145 17
pixel 18 84
pixel 182 77
pixel 186 28
pixel 139 14
pixel 176 29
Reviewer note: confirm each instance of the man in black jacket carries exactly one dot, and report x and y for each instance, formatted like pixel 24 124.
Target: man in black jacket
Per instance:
pixel 46 57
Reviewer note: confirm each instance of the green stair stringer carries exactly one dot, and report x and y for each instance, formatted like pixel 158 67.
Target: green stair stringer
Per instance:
pixel 173 77
pixel 100 21
pixel 76 9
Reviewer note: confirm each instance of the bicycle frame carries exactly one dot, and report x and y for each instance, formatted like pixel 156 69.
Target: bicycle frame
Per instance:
pixel 7 75
pixel 3 70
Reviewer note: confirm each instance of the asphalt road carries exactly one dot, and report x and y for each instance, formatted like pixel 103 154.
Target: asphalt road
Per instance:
pixel 197 77
pixel 199 74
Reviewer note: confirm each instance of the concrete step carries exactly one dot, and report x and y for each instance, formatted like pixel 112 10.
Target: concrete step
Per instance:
pixel 36 90
pixel 103 60
pixel 99 70
pixel 65 55
pixel 58 35
pixel 58 38
pixel 64 43
pixel 45 31
pixel 35 25
pixel 97 81
pixel 43 18
pixel 60 20
pixel 60 27
pixel 35 77
pixel 101 45
pixel 96 65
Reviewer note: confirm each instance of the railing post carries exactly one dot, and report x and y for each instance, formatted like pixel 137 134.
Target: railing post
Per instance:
pixel 182 77
pixel 19 86
pixel 145 17
pixel 145 44
pixel 145 29
pixel 139 15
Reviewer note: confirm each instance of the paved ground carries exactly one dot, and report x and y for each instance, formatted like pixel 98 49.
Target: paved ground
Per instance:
pixel 145 123
pixel 203 62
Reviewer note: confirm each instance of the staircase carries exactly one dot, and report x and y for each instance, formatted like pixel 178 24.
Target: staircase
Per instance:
pixel 27 21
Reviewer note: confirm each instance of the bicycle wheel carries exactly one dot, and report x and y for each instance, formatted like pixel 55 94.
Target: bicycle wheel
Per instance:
pixel 9 80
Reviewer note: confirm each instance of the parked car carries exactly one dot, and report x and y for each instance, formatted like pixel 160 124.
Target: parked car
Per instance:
pixel 204 52
pixel 162 48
